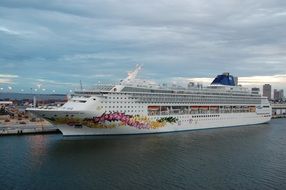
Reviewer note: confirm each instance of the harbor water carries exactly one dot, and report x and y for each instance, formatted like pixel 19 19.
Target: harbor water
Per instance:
pixel 249 157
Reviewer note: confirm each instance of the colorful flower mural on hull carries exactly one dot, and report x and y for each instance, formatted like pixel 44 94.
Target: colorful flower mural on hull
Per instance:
pixel 116 119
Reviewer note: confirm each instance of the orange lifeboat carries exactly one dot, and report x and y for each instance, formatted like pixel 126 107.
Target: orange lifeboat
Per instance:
pixel 153 108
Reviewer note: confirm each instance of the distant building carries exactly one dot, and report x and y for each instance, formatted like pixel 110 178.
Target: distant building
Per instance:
pixel 235 81
pixel 191 84
pixel 2 103
pixel 255 91
pixel 275 94
pixel 267 91
pixel 278 95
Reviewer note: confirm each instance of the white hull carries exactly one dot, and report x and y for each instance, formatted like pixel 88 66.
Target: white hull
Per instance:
pixel 187 123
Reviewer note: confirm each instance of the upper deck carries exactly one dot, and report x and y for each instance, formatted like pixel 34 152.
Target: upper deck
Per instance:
pixel 223 90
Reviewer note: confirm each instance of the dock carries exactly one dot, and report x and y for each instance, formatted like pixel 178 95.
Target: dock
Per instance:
pixel 27 127
pixel 278 116
pixel 13 121
pixel 278 110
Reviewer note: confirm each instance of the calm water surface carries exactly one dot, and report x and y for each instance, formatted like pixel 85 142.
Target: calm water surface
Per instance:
pixel 250 157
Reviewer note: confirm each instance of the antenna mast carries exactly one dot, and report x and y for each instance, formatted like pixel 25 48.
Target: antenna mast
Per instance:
pixel 80 85
pixel 132 75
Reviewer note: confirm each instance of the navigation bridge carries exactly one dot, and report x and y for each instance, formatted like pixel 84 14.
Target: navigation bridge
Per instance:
pixel 278 110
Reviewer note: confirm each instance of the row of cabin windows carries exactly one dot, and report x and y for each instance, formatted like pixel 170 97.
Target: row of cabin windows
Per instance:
pixel 123 106
pixel 171 92
pixel 189 116
pixel 184 102
pixel 129 98
pixel 158 96
pixel 196 116
pixel 202 102
pixel 192 99
pixel 184 97
pixel 121 102
pixel 202 99
pixel 194 96
pixel 128 111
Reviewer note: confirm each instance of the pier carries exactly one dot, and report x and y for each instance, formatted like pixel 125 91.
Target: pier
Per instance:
pixel 17 130
pixel 14 127
pixel 278 110
pixel 16 122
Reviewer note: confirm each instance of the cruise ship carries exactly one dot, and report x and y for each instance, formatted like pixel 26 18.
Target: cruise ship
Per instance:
pixel 136 106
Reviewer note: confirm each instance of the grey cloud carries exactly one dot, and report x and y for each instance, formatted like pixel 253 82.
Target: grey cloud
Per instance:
pixel 171 38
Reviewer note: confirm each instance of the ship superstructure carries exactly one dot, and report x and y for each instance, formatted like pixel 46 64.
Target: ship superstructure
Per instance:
pixel 136 106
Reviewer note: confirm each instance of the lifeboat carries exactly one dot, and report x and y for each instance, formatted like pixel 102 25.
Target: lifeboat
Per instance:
pixel 213 107
pixel 204 108
pixel 194 107
pixel 153 108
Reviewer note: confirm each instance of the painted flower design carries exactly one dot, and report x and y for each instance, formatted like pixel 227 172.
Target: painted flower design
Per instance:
pixel 115 119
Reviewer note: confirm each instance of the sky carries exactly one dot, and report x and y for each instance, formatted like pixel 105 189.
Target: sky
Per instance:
pixel 49 46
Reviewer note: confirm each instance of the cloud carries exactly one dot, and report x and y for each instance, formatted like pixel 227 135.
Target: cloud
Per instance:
pixel 278 81
pixel 6 81
pixel 44 82
pixel 66 41
pixel 8 31
pixel 260 80
pixel 92 56
pixel 7 78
